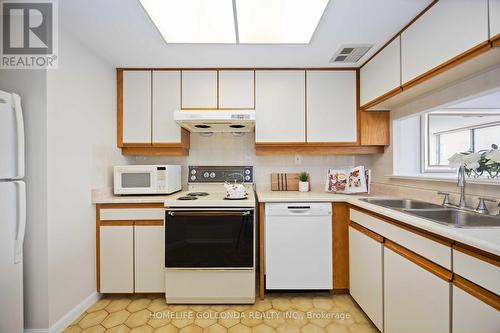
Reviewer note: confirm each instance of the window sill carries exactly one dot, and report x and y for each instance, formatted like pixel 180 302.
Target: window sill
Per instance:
pixel 445 178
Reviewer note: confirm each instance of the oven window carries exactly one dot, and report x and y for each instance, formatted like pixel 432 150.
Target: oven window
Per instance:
pixel 205 239
pixel 132 180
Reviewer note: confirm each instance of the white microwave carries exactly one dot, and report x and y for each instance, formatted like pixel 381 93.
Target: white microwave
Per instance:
pixel 147 179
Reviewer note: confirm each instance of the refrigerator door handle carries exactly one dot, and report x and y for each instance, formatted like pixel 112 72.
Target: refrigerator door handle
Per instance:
pixel 18 111
pixel 21 225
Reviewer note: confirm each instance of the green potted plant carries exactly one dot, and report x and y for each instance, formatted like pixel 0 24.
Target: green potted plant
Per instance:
pixel 303 181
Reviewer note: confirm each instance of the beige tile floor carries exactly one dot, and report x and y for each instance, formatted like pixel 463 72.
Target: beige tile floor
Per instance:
pixel 294 313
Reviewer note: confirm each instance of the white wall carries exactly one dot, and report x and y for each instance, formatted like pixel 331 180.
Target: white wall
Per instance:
pixel 31 86
pixel 382 165
pixel 81 103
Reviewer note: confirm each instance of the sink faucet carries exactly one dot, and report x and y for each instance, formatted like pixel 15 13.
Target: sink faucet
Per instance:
pixel 461 184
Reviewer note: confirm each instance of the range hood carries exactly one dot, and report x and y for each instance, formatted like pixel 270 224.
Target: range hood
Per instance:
pixel 216 121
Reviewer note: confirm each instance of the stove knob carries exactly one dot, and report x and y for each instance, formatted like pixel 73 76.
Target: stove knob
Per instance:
pixel 193 177
pixel 193 172
pixel 212 175
pixel 247 172
pixel 206 174
pixel 247 177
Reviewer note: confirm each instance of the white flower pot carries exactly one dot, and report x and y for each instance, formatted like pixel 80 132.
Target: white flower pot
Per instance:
pixel 303 186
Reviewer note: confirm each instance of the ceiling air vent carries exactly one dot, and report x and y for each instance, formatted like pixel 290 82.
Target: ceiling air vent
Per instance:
pixel 350 53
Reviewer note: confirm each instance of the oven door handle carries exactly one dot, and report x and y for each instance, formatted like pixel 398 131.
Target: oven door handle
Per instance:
pixel 209 213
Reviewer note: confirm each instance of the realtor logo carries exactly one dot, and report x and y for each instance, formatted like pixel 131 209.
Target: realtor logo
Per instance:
pixel 29 34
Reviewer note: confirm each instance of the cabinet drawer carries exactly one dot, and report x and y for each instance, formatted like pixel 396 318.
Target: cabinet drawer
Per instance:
pixel 111 214
pixel 484 273
pixel 430 249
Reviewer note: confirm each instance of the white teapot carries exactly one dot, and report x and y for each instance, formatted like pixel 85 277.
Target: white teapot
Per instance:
pixel 235 190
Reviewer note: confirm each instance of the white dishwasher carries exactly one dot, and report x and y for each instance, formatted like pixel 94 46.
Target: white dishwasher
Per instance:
pixel 298 246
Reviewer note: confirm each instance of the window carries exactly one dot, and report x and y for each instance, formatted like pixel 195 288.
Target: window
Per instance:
pixel 447 132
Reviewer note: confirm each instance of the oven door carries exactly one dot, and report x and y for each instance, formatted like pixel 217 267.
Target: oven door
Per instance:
pixel 209 238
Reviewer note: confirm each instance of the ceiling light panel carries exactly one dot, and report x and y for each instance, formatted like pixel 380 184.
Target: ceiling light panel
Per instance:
pixel 193 21
pixel 278 21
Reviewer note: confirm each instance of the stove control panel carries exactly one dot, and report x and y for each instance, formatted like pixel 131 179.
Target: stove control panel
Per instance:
pixel 220 174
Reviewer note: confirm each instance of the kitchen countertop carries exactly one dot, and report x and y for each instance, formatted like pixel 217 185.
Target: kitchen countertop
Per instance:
pixel 107 197
pixel 314 196
pixel 487 239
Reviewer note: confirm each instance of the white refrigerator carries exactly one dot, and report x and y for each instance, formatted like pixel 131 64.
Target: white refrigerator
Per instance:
pixel 12 213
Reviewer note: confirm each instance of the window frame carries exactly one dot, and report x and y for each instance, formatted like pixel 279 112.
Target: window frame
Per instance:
pixel 425 141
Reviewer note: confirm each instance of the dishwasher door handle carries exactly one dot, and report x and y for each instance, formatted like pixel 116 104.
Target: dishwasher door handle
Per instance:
pixel 299 211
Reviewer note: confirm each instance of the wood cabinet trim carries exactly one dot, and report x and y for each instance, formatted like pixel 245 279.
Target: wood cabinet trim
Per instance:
pixel 469 54
pixel 495 40
pixel 358 107
pixel 382 98
pixel 478 292
pixel 144 223
pixel 238 69
pixel 98 248
pixel 375 128
pixel 155 151
pixel 262 149
pixel 478 254
pixel 116 223
pixel 366 232
pixel 129 205
pixel 426 264
pixel 119 107
pixel 423 233
pixel 261 250
pixel 306 144
pixel 340 248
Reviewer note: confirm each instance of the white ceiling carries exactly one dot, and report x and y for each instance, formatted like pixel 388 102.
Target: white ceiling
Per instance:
pixel 122 33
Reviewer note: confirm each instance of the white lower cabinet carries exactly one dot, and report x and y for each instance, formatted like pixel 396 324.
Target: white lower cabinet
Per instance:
pixel 471 315
pixel 132 258
pixel 365 274
pixel 116 259
pixel 149 259
pixel 415 300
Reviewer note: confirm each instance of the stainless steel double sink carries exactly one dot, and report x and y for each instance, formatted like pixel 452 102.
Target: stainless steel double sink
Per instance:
pixel 437 213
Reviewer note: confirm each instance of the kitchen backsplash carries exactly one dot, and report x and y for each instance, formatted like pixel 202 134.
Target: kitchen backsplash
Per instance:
pixel 226 149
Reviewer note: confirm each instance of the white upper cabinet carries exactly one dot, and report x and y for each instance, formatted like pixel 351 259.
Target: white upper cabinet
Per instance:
pixel 280 106
pixel 166 99
pixel 137 107
pixel 236 89
pixel 331 106
pixel 447 29
pixel 494 18
pixel 382 73
pixel 199 89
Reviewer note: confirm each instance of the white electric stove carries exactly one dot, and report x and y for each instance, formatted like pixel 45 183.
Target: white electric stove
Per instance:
pixel 210 251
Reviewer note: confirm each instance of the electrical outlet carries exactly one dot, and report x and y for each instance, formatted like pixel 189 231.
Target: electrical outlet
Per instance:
pixel 298 159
